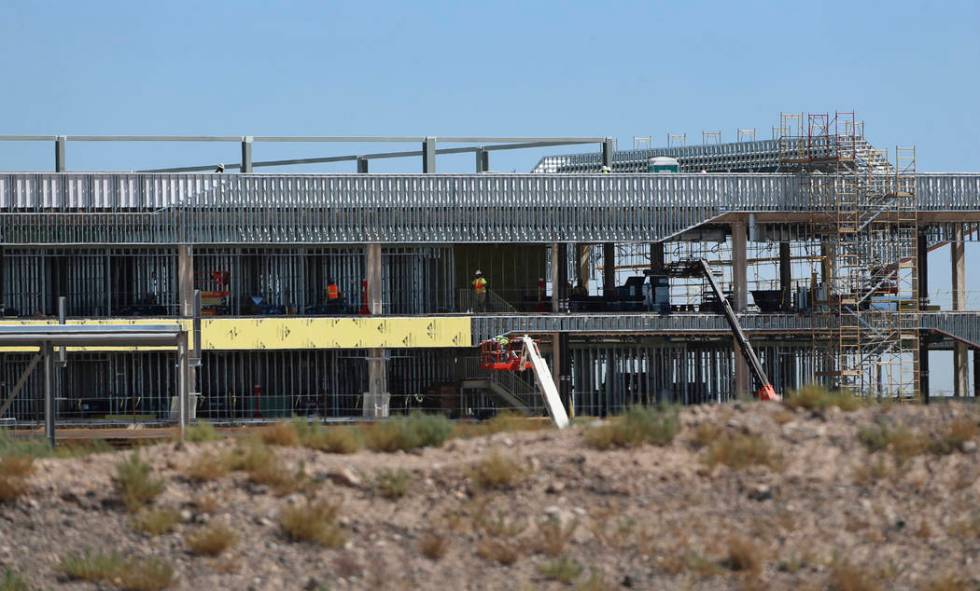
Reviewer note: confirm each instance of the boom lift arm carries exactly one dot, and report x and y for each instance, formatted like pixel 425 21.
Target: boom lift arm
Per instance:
pixel 520 354
pixel 765 391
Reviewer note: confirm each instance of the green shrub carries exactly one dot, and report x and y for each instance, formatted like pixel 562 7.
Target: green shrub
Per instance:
pixel 11 581
pixel 91 566
pixel 332 440
pixel 156 522
pixel 201 432
pixel 407 433
pixel 639 425
pixel 497 472
pixel 312 521
pixel 740 451
pixel 817 398
pixel 392 484
pixel 564 570
pixel 134 483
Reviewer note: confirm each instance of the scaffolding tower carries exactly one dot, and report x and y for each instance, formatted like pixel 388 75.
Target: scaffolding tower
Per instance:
pixel 865 215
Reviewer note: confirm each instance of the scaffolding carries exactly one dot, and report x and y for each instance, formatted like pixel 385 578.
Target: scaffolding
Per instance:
pixel 866 219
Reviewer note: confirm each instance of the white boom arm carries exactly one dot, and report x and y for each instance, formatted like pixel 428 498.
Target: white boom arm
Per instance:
pixel 545 383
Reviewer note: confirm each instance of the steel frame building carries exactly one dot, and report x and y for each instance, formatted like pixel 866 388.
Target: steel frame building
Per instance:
pixel 817 217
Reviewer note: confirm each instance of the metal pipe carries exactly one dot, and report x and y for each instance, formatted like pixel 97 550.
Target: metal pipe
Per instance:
pixel 49 406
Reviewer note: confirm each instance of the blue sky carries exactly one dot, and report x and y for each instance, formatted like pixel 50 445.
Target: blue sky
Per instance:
pixel 909 69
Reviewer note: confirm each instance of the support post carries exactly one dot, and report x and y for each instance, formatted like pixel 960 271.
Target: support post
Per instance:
pixel 958 263
pixel 246 154
pixel 482 160
pixel 785 277
pixel 183 383
pixel 657 257
pixel 62 315
pixel 429 155
pixel 608 147
pixel 185 279
pixel 739 268
pixel 555 278
pixel 59 153
pixel 922 246
pixel 376 399
pixel 976 373
pixel 362 165
pixel 609 269
pixel 49 406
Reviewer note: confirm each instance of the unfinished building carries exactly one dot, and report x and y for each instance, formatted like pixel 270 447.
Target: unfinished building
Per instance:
pixel 350 295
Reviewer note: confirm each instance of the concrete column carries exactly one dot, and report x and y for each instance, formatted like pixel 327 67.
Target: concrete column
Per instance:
pixel 429 155
pixel 377 398
pixel 362 165
pixel 785 276
pixel 583 272
pixel 608 269
pixel 185 279
pixel 482 160
pixel 739 268
pixel 958 263
pixel 246 154
pixel 59 153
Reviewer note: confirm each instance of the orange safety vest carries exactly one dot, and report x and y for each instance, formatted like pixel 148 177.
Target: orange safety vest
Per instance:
pixel 332 292
pixel 479 285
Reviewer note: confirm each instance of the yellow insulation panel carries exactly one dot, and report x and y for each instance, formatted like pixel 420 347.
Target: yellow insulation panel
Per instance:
pixel 246 334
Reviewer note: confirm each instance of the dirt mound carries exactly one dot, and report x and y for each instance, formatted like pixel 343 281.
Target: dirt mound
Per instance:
pixel 747 495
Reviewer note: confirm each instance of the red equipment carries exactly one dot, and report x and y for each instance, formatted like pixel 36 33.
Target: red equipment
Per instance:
pixel 501 355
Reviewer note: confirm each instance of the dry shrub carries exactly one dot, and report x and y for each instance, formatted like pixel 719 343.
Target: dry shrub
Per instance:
pixel 433 546
pixel 279 479
pixel 11 488
pixel 947 582
pixel 314 522
pixel 155 522
pixel 743 556
pixel 282 434
pixel 639 425
pixel 818 399
pixel 134 483
pixel 201 432
pixel 333 440
pixel 871 472
pixel 502 552
pixel 845 576
pixel 497 472
pixel 564 570
pixel 211 540
pixel 407 433
pixel 596 582
pixel 207 504
pixel 392 484
pixel 705 434
pixel 902 442
pixel 16 466
pixel 958 432
pixel 142 574
pixel 207 467
pixel 552 537
pixel 738 451
pixel 250 455
pixel 503 422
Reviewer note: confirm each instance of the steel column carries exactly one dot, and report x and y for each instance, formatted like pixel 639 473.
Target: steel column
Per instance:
pixel 482 160
pixel 362 165
pixel 785 276
pixel 657 257
pixel 49 407
pixel 958 272
pixel 376 399
pixel 59 153
pixel 582 270
pixel 608 149
pixel 608 269
pixel 246 154
pixel 429 155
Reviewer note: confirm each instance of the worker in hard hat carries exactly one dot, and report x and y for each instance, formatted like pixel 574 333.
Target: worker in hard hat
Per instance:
pixel 333 296
pixel 606 170
pixel 479 285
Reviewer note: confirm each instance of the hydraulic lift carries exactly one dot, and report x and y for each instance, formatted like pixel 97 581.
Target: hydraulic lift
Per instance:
pixel 521 354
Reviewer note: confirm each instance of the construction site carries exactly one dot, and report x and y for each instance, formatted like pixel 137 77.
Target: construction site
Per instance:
pixel 362 295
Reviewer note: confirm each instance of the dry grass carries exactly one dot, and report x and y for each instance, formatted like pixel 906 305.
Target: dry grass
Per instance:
pixel 596 582
pixel 313 522
pixel 11 581
pixel 845 576
pixel 207 467
pixel 903 443
pixel 502 552
pixel 947 582
pixel 11 488
pixel 201 432
pixel 497 471
pixel 639 425
pixel 250 455
pixel 564 570
pixel 135 484
pixel 433 546
pixel 283 434
pixel 156 522
pixel 704 434
pixel 211 540
pixel 279 479
pixel 146 574
pixel 504 422
pixel 392 484
pixel 407 433
pixel 743 556
pixel 333 440
pixel 871 472
pixel 958 432
pixel 552 537
pixel 14 471
pixel 739 451
pixel 818 399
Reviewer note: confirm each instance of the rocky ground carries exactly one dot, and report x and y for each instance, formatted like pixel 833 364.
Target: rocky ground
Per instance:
pixel 747 495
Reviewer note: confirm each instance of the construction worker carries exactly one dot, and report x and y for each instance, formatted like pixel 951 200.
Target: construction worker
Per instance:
pixel 333 295
pixel 479 284
pixel 606 170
